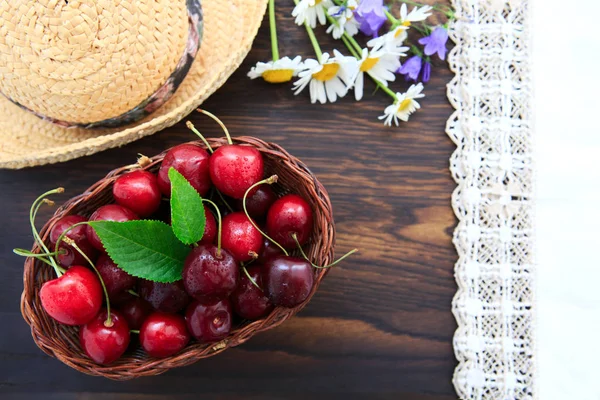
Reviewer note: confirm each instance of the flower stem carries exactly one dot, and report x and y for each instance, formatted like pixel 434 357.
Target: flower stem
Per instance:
pixel 391 17
pixel 350 48
pixel 313 39
pixel 273 26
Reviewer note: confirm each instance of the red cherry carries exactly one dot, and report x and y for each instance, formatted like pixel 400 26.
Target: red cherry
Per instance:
pixel 115 279
pixel 163 335
pixel 248 301
pixel 206 275
pixel 69 255
pixel 268 251
pixel 74 298
pixel 210 229
pixel 234 168
pixel 240 237
pixel 259 202
pixel 138 190
pixel 105 344
pixel 287 280
pixel 290 214
pixel 135 311
pixel 209 321
pixel 111 212
pixel 190 161
pixel 165 297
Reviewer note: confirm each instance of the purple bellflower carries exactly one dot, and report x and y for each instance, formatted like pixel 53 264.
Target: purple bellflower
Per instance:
pixel 436 42
pixel 426 71
pixel 411 68
pixel 371 16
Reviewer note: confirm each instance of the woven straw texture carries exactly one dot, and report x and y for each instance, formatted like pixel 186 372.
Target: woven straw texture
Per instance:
pixel 493 167
pixel 62 341
pixel 229 29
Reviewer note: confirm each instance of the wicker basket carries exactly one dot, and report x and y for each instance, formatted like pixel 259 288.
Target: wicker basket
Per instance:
pixel 62 341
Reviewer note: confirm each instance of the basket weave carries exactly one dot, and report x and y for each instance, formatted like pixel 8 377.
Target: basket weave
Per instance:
pixel 229 29
pixel 62 341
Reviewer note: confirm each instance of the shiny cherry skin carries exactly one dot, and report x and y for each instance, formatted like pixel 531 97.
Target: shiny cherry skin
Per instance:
pixel 287 280
pixel 248 301
pixel 209 321
pixel 110 212
pixel 240 237
pixel 135 311
pixel 210 228
pixel 69 255
pixel 73 299
pixel 268 251
pixel 290 214
pixel 234 168
pixel 163 335
pixel 207 275
pixel 258 203
pixel 138 190
pixel 115 279
pixel 190 161
pixel 105 344
pixel 165 297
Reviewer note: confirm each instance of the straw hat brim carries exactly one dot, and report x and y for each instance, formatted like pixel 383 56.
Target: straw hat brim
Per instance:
pixel 229 30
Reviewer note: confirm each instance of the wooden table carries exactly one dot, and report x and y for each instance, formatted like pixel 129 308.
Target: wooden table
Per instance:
pixel 380 327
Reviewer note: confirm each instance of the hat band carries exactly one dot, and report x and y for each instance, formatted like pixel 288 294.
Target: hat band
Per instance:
pixel 162 95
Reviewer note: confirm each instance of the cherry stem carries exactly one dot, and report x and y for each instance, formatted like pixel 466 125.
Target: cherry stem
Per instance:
pixel 193 129
pixel 269 181
pixel 134 331
pixel 36 236
pixel 218 122
pixel 41 257
pixel 133 293
pixel 348 254
pixel 250 278
pixel 223 200
pixel 64 234
pixel 218 227
pixel 108 323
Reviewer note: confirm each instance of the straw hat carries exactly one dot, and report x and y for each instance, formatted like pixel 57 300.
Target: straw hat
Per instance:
pixel 81 76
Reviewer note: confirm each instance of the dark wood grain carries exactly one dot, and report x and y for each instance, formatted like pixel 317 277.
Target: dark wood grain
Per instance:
pixel 379 328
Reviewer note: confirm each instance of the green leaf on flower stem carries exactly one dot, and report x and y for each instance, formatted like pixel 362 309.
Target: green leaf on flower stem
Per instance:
pixel 187 211
pixel 146 249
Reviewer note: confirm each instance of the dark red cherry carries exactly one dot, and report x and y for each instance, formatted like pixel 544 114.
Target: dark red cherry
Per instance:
pixel 240 237
pixel 110 212
pixel 206 275
pixel 248 301
pixel 138 190
pixel 69 255
pixel 165 297
pixel 290 214
pixel 135 311
pixel 268 250
pixel 234 168
pixel 105 344
pixel 115 279
pixel 163 335
pixel 209 321
pixel 259 202
pixel 210 228
pixel 190 161
pixel 287 280
pixel 74 298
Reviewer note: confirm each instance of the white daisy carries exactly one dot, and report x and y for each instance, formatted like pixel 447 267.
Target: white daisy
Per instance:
pixel 380 65
pixel 278 71
pixel 329 79
pixel 344 20
pixel 416 15
pixel 311 10
pixel 404 105
pixel 391 42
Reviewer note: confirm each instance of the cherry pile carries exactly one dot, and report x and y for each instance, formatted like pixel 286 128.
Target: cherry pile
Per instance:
pixel 240 270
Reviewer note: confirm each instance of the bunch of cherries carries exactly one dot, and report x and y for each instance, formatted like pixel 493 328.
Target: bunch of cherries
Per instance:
pixel 247 273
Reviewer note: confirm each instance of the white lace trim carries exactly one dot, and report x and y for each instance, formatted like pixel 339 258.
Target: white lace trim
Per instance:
pixel 493 168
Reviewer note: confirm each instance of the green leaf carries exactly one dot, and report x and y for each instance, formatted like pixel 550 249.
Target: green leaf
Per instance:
pixel 187 211
pixel 146 249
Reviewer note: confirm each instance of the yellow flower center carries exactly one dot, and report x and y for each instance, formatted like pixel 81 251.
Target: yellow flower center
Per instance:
pixel 317 2
pixel 368 64
pixel 400 31
pixel 278 75
pixel 406 23
pixel 405 105
pixel 328 72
